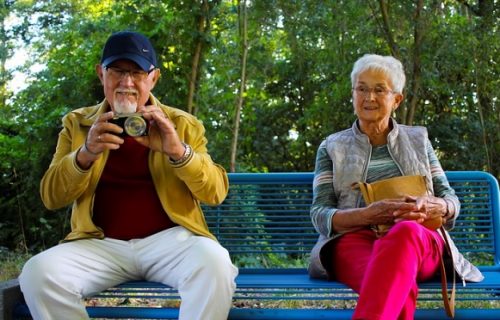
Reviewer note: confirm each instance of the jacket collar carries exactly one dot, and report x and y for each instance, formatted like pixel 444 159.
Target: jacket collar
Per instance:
pixel 390 137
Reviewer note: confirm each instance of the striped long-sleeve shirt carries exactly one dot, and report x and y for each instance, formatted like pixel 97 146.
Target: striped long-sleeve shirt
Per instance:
pixel 381 166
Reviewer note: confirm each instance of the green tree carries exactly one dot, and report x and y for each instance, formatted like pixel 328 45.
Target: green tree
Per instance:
pixel 296 81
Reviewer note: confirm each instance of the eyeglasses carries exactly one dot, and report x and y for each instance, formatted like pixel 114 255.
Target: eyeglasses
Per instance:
pixel 366 91
pixel 119 73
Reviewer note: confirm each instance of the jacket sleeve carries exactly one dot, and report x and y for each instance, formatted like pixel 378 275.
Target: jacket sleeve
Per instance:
pixel 324 199
pixel 206 180
pixel 64 181
pixel 442 188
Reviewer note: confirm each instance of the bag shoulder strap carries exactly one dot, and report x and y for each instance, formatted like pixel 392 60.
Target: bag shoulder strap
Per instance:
pixel 449 301
pixel 366 190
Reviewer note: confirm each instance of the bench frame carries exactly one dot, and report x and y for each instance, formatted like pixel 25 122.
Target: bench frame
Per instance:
pixel 265 218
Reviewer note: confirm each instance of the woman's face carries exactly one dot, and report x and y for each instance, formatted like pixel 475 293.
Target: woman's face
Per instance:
pixel 373 98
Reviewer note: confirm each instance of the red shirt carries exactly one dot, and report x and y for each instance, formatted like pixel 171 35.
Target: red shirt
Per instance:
pixel 126 205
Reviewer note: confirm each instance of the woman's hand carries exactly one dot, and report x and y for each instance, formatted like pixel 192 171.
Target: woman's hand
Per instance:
pixel 388 211
pixel 425 208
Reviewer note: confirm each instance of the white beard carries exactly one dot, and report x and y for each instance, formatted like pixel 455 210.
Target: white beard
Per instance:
pixel 124 106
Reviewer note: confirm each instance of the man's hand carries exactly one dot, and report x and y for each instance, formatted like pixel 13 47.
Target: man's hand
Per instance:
pixel 101 136
pixel 162 136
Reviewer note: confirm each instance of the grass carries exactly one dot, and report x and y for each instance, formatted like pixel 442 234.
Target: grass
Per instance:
pixel 11 263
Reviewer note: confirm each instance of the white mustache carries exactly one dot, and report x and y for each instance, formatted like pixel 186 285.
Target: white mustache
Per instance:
pixel 127 91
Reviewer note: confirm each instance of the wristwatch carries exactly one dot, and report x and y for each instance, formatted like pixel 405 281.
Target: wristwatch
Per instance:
pixel 188 151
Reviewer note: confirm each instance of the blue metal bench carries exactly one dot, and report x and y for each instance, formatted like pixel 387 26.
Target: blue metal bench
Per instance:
pixel 265 224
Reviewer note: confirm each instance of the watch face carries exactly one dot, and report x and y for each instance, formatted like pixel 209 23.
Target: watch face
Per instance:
pixel 135 126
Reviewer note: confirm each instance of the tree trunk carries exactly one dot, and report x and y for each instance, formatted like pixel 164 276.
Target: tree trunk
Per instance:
pixel 416 77
pixel 406 111
pixel 202 28
pixel 242 20
pixel 386 27
pixel 4 12
pixel 484 104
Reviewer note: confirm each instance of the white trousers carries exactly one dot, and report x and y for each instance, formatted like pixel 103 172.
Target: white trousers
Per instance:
pixel 54 282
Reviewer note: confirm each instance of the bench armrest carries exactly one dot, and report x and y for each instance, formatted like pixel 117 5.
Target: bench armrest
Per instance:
pixel 10 296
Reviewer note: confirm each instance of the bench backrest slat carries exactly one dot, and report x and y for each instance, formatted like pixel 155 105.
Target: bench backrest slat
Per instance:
pixel 265 222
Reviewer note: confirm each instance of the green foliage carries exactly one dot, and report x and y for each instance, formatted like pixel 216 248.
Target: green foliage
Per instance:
pixel 300 57
pixel 11 264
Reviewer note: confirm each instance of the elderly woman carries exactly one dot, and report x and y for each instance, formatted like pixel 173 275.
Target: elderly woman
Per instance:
pixel 383 270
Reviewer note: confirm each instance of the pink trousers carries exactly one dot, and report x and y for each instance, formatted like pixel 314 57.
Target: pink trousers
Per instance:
pixel 385 271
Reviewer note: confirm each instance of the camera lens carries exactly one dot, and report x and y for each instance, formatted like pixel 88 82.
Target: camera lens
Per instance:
pixel 135 126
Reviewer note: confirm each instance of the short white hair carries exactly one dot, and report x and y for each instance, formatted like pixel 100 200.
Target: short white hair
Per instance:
pixel 389 65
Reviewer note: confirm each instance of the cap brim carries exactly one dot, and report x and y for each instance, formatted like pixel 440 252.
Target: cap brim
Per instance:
pixel 144 64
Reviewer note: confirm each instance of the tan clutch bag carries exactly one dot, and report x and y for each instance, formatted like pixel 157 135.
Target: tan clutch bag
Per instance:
pixel 395 188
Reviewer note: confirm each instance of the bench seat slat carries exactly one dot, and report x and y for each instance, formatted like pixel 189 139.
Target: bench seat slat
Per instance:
pixel 298 278
pixel 270 314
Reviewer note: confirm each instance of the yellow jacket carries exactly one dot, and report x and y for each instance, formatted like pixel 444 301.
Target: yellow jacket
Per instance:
pixel 180 188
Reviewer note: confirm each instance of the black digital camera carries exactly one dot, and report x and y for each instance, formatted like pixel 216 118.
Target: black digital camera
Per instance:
pixel 133 124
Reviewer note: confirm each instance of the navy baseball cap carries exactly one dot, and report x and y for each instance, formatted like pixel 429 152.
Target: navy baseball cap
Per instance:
pixel 131 46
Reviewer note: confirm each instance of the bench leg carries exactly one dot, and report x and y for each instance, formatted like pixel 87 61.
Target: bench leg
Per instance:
pixel 10 296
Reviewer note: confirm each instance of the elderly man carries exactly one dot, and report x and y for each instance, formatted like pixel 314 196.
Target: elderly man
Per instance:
pixel 135 172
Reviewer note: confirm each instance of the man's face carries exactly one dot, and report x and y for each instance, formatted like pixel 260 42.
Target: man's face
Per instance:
pixel 126 85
